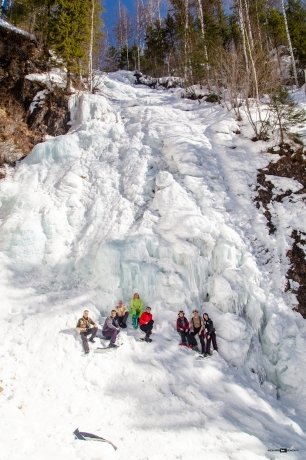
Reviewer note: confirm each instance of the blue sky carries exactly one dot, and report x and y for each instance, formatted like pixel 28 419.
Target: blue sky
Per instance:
pixel 111 11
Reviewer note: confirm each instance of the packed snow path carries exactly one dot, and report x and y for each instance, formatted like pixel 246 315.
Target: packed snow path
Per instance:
pixel 151 193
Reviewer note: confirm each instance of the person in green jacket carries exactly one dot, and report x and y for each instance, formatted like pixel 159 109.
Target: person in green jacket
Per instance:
pixel 136 308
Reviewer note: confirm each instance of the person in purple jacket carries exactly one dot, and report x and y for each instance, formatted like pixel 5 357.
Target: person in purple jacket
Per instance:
pixel 111 328
pixel 182 327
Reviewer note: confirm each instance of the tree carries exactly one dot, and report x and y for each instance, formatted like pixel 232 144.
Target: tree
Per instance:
pixel 289 43
pixel 285 112
pixel 296 16
pixel 69 34
pixel 95 39
pixel 123 31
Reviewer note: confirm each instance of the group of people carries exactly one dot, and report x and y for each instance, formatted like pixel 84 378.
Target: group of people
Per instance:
pixel 197 326
pixel 143 318
pixel 117 319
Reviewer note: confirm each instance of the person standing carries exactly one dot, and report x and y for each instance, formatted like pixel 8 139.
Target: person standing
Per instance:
pixel 182 327
pixel 122 314
pixel 210 334
pixel 136 308
pixel 146 323
pixel 111 329
pixel 86 326
pixel 197 328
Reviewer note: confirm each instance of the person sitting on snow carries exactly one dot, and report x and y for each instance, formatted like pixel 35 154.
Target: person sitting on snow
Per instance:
pixel 111 328
pixel 146 323
pixel 136 309
pixel 86 326
pixel 122 314
pixel 182 327
pixel 197 327
pixel 210 334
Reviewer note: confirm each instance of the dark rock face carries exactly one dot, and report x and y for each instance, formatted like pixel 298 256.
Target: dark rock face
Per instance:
pixel 292 164
pixel 21 129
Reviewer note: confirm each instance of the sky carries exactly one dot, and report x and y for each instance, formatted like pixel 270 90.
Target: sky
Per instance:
pixel 111 12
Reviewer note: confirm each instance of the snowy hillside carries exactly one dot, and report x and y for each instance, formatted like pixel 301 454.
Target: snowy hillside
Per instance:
pixel 148 193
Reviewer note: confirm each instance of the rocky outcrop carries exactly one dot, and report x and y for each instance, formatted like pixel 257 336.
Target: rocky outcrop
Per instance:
pixel 291 164
pixel 21 125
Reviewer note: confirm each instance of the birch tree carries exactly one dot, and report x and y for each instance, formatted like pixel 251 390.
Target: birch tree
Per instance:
pixel 289 43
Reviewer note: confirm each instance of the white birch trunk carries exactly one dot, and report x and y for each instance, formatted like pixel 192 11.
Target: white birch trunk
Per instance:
pixel 290 44
pixel 90 75
pixel 242 28
pixel 201 17
pixel 186 38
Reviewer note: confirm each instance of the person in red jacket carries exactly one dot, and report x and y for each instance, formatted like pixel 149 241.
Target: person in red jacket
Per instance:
pixel 182 327
pixel 146 323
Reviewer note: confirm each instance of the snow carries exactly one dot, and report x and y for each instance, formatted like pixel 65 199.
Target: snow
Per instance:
pixel 9 26
pixel 146 193
pixel 55 77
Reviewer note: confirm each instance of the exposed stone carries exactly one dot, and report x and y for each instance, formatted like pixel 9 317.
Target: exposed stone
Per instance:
pixel 20 128
pixel 292 164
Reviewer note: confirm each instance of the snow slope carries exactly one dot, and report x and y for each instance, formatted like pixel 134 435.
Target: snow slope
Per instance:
pixel 152 193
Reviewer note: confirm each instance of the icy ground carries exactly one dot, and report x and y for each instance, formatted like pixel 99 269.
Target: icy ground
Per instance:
pixel 152 193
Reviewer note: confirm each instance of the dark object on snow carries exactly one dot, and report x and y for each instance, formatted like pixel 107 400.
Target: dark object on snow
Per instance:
pixel 83 436
pixel 110 347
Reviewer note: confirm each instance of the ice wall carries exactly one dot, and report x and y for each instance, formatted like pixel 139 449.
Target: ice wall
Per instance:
pixel 118 206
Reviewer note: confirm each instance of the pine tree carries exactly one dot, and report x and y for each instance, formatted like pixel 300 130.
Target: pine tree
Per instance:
pixel 69 34
pixel 286 113
pixel 296 16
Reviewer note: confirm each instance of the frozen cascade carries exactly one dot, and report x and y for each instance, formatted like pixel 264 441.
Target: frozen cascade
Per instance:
pixel 132 199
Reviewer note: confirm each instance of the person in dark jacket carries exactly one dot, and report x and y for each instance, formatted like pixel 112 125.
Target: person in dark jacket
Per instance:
pixel 86 326
pixel 197 327
pixel 182 327
pixel 146 323
pixel 209 334
pixel 111 328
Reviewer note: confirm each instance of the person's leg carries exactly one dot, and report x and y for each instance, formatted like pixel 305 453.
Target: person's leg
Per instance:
pixel 183 338
pixel 119 319
pixel 124 319
pixel 188 338
pixel 202 341
pixel 193 341
pixel 93 331
pixel 144 328
pixel 106 335
pixel 193 334
pixel 114 334
pixel 207 348
pixel 147 328
pixel 214 341
pixel 135 321
pixel 85 341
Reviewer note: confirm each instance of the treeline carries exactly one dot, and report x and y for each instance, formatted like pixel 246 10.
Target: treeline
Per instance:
pixel 197 38
pixel 69 28
pixel 254 49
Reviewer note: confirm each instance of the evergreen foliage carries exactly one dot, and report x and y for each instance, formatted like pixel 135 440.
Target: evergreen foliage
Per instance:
pixel 296 15
pixel 285 112
pixel 65 26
